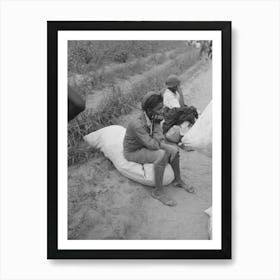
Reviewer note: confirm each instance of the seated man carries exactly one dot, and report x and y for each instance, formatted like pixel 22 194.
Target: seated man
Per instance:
pixel 178 117
pixel 144 143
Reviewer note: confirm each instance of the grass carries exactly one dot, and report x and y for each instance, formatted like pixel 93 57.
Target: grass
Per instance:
pixel 118 104
pixel 82 54
pixel 107 75
pixel 102 78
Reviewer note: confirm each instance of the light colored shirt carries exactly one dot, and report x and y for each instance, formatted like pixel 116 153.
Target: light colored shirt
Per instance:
pixel 171 100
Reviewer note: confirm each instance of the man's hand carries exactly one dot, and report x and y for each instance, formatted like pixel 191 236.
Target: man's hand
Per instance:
pixel 157 118
pixel 159 138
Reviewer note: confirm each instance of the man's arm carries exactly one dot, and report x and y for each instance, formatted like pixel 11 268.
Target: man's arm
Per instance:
pixel 181 100
pixel 144 138
pixel 158 133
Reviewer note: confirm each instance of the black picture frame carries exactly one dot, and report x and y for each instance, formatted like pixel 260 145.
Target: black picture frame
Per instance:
pixel 52 139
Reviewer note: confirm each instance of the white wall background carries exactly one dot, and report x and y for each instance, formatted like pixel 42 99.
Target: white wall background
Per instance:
pixel 255 151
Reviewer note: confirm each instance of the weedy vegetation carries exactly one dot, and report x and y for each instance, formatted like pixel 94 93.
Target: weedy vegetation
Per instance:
pixel 120 101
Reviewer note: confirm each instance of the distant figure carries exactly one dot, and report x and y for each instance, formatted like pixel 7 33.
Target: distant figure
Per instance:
pixel 210 50
pixel 75 104
pixel 203 49
pixel 197 44
pixel 178 117
pixel 145 143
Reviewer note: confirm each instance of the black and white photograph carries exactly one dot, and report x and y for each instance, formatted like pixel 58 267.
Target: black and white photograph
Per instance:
pixel 139 140
pixel 142 165
pixel 137 148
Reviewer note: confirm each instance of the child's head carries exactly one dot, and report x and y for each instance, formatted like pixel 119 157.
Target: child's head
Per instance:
pixel 173 82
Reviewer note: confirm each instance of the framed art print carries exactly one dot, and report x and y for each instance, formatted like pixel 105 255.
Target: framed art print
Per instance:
pixel 139 140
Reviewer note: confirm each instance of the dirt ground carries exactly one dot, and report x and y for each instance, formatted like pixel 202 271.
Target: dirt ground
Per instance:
pixel 103 204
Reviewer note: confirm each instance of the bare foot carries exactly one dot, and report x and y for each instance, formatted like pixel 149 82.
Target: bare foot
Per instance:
pixel 185 148
pixel 183 185
pixel 188 149
pixel 159 195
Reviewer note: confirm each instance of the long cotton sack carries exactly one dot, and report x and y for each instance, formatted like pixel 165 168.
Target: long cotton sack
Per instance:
pixel 199 137
pixel 110 141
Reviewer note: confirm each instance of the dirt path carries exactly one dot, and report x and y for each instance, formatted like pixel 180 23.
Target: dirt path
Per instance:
pixel 105 205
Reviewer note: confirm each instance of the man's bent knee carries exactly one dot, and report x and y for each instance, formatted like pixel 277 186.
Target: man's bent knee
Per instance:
pixel 161 154
pixel 162 158
pixel 172 151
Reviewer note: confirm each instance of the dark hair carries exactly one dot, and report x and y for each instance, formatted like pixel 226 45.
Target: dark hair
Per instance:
pixel 152 102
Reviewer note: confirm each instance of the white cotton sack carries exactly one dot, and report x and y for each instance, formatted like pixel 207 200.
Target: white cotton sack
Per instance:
pixel 110 141
pixel 199 137
pixel 209 213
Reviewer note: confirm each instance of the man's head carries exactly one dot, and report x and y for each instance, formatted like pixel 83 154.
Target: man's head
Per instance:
pixel 173 82
pixel 152 104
